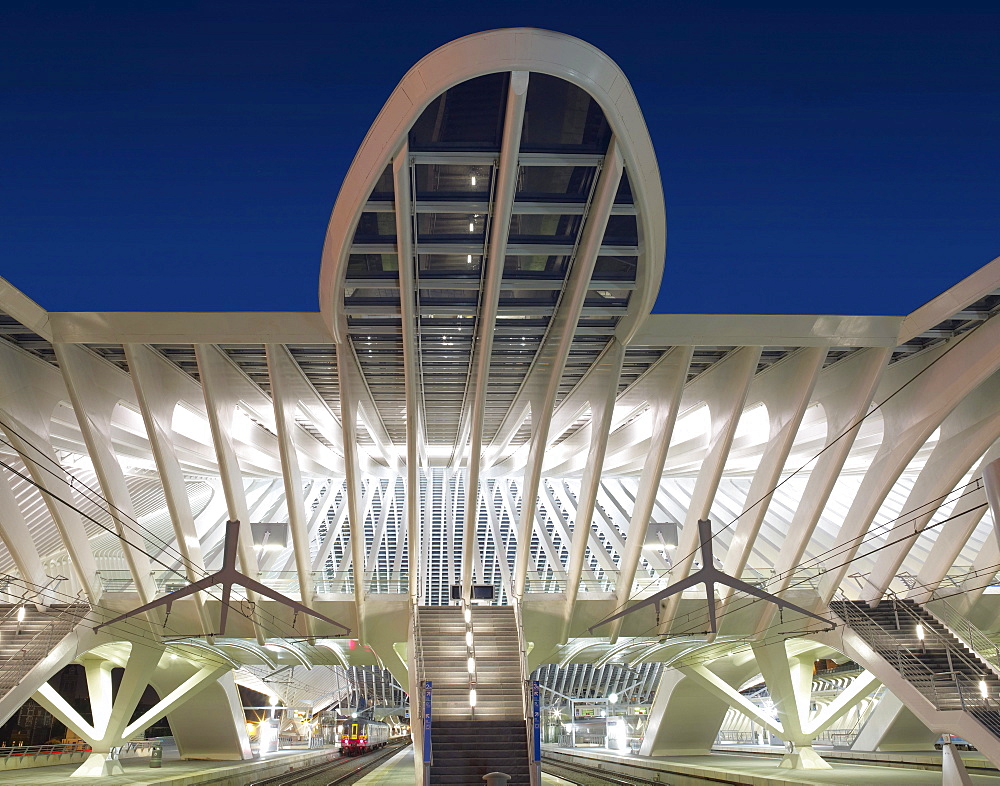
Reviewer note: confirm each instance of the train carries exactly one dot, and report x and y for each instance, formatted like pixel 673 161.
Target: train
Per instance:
pixel 361 735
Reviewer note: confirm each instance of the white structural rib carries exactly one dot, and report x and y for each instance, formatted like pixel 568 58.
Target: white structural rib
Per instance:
pixel 545 375
pixel 966 434
pixel 291 471
pixel 30 391
pixel 604 381
pixel 156 388
pixel 786 390
pixel 410 324
pixel 95 388
pixel 486 321
pixel 220 381
pixel 728 384
pixel 910 417
pixel 351 385
pixel 665 384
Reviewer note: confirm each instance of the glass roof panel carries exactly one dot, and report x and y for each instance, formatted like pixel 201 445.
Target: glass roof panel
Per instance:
pixel 376 228
pixel 468 116
pixel 624 195
pixel 535 266
pixel 527 228
pixel 554 183
pixel 453 181
pixel 383 191
pixel 450 265
pixel 621 231
pixel 620 268
pixel 560 117
pixel 372 266
pixel 444 227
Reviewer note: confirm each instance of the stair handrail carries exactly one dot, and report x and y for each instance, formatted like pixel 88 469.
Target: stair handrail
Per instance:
pixel 972 637
pixel 417 701
pixel 901 657
pixel 526 702
pixel 21 662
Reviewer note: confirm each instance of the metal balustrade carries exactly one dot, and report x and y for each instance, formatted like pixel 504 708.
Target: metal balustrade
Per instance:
pixel 284 581
pixel 25 640
pixel 925 652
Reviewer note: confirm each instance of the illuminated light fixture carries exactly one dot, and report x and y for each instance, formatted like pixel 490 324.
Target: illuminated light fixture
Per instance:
pixel 471 227
pixel 20 614
pixel 920 631
pixel 273 701
pixel 468 638
pixel 269 536
pixel 984 691
pixel 472 697
pixel 473 180
pixel 613 698
pixel 468 259
pixel 661 536
pixel 467 614
pixel 354 714
pixel 472 669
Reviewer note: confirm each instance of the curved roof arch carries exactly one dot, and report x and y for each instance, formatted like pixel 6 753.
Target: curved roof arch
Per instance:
pixel 506 50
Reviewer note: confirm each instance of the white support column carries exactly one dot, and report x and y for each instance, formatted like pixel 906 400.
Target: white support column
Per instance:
pixel 546 372
pixel 727 384
pixel 670 376
pixel 110 712
pixel 220 380
pixel 909 418
pixel 789 681
pixel 845 391
pixel 482 349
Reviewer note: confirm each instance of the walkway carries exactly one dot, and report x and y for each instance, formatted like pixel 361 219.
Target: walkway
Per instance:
pixel 744 768
pixel 138 771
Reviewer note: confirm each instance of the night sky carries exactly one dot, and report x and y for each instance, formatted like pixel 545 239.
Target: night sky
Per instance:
pixel 839 158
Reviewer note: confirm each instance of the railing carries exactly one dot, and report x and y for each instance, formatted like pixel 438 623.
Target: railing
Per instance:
pixel 935 686
pixel 283 581
pixel 417 700
pixel 971 636
pixel 10 753
pixel 17 664
pixel 646 582
pixel 526 697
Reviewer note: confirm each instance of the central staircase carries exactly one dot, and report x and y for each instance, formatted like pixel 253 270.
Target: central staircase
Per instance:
pixel 468 741
pixel 932 659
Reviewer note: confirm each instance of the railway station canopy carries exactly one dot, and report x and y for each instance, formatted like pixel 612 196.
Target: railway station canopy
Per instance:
pixel 484 400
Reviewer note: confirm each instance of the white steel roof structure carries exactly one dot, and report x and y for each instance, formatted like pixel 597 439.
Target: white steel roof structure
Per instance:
pixel 485 398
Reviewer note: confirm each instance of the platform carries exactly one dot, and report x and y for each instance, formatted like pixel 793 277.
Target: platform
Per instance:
pixel 759 770
pixel 174 771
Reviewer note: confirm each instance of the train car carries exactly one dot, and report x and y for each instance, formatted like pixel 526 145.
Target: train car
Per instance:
pixel 362 735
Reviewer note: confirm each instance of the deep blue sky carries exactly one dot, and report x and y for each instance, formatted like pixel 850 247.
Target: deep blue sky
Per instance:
pixel 839 158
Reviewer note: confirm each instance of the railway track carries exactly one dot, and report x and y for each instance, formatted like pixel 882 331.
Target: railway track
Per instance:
pixel 333 773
